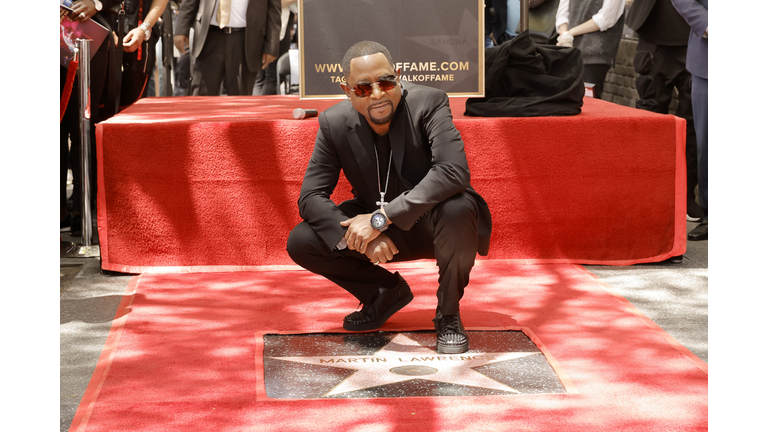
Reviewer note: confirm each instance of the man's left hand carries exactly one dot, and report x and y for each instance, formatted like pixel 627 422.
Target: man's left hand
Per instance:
pixel 266 59
pixel 359 232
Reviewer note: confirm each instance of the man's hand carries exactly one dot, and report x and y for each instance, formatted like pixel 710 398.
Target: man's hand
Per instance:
pixel 181 42
pixel 382 249
pixel 359 233
pixel 132 41
pixel 266 59
pixel 83 10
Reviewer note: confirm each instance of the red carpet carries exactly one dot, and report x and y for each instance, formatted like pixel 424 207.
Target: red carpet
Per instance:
pixel 212 183
pixel 181 356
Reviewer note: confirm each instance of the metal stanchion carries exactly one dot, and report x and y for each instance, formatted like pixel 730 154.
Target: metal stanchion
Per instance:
pixel 86 250
pixel 524 6
pixel 167 38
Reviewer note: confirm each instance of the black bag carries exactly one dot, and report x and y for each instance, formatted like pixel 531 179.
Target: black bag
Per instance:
pixel 523 79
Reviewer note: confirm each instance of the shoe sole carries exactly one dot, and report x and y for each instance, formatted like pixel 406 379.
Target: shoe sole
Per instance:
pixel 380 322
pixel 453 349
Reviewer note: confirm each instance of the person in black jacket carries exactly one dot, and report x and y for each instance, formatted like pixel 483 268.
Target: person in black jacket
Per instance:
pixel 69 129
pixel 660 67
pixel 405 160
pixel 696 14
pixel 139 56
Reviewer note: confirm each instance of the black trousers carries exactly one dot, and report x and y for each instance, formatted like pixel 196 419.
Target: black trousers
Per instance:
pixel 222 60
pixel 700 95
pixel 595 74
pixel 447 233
pixel 266 80
pixel 660 70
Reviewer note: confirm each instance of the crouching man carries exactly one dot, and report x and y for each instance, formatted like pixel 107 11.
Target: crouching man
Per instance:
pixel 400 150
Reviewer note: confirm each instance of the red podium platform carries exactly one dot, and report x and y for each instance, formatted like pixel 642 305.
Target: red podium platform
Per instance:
pixel 212 183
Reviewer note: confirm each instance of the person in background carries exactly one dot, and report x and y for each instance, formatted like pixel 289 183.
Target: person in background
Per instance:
pixel 266 82
pixel 595 28
pixel 139 57
pixel 234 40
pixel 660 67
pixel 696 14
pixel 505 20
pixel 69 128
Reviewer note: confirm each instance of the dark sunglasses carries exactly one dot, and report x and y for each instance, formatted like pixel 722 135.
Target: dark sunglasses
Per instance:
pixel 365 90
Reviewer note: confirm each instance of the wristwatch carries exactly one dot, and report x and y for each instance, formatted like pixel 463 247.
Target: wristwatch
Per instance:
pixel 98 5
pixel 379 221
pixel 147 30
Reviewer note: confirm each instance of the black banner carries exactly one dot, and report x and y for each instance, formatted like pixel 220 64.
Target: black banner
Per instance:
pixel 438 43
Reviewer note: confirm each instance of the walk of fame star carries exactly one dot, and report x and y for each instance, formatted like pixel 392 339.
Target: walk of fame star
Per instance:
pixel 404 359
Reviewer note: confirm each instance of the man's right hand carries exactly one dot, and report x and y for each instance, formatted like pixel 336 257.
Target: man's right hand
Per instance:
pixel 181 42
pixel 382 249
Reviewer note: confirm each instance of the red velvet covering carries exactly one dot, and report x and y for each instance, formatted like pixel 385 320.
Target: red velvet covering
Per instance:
pixel 182 356
pixel 211 183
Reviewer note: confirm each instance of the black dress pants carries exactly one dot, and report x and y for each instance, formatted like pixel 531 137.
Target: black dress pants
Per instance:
pixel 595 74
pixel 660 69
pixel 447 233
pixel 222 60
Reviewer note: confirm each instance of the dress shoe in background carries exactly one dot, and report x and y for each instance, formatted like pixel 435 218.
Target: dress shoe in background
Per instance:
pixel 699 233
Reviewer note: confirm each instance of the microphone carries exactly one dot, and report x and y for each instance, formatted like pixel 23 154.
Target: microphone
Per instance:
pixel 299 113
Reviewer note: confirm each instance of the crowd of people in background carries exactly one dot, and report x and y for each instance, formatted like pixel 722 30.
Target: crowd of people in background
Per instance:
pixel 230 47
pixel 665 30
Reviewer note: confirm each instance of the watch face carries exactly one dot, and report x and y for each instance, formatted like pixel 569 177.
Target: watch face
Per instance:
pixel 378 220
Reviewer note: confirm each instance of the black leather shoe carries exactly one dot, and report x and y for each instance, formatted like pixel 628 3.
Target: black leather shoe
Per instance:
pixel 374 314
pixel 678 259
pixel 699 233
pixel 451 336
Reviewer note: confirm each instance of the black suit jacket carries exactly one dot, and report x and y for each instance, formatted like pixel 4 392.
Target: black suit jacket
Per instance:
pixel 428 154
pixel 696 14
pixel 262 28
pixel 638 13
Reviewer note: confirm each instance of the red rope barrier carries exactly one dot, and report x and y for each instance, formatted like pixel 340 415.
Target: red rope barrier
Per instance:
pixel 71 72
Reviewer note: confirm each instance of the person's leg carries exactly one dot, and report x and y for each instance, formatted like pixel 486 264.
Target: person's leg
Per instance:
pixel 248 80
pixel 455 248
pixel 259 83
pixel 235 67
pixel 447 233
pixel 269 85
pixel 699 97
pixel 595 74
pixel 685 110
pixel 209 66
pixel 348 269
